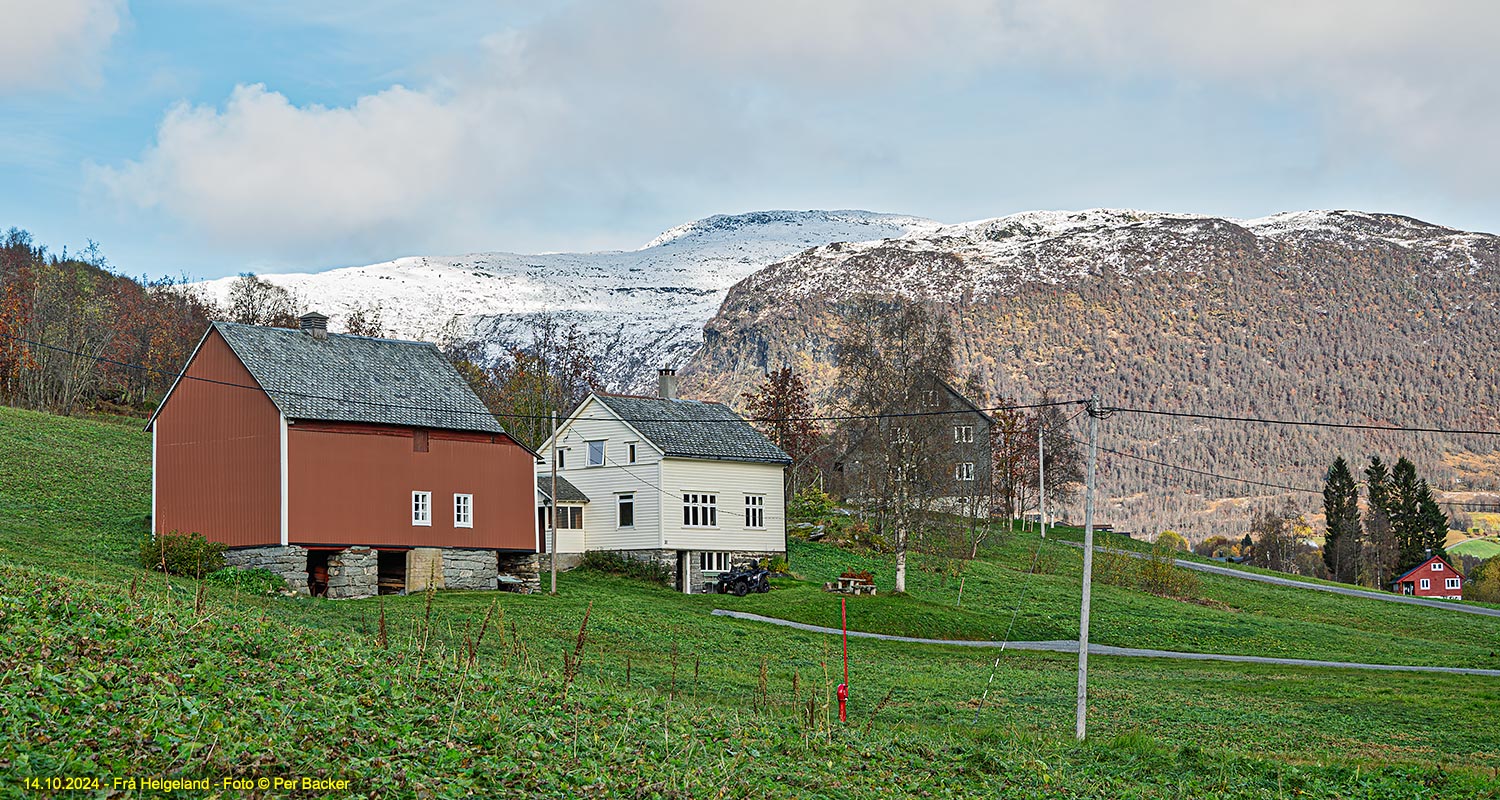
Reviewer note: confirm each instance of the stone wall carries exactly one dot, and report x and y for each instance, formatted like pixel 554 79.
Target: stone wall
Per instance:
pixel 353 573
pixel 289 562
pixel 424 567
pixel 469 569
pixel 528 567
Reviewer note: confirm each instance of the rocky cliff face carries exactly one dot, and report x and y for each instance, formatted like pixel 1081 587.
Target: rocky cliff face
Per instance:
pixel 1332 316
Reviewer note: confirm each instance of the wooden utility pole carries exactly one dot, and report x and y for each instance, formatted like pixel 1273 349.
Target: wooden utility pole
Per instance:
pixel 1088 570
pixel 1041 476
pixel 552 504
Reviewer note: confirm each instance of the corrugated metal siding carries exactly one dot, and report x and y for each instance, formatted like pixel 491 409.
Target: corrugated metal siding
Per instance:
pixel 730 481
pixel 352 484
pixel 218 454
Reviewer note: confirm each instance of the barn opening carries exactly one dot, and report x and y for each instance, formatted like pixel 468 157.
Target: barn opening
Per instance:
pixel 317 572
pixel 392 571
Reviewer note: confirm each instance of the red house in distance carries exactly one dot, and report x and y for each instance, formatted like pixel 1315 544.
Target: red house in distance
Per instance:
pixel 1434 577
pixel 347 464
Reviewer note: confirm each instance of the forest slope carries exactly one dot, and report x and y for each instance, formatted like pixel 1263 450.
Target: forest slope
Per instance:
pixel 1327 316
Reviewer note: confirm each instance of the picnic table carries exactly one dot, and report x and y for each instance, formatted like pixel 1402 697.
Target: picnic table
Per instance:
pixel 848 585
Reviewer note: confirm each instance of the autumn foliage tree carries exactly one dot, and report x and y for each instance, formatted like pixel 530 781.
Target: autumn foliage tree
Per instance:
pixel 782 410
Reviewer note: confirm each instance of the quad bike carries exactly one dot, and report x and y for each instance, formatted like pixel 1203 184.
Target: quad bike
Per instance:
pixel 741 582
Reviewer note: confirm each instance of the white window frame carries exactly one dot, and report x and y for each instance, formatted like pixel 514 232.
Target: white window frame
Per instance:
pixel 700 510
pixel 588 458
pixel 1437 566
pixel 963 471
pixel 463 510
pixel 709 562
pixel 963 434
pixel 421 509
pixel 621 500
pixel 930 397
pixel 1454 583
pixel 560 455
pixel 631 452
pixel 755 512
pixel 1426 583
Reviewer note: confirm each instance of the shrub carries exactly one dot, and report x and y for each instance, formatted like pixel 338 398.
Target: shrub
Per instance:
pixel 810 503
pixel 611 563
pixel 1160 575
pixel 1484 582
pixel 254 581
pixel 776 565
pixel 186 554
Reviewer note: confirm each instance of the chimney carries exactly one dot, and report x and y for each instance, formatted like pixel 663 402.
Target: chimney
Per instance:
pixel 666 383
pixel 314 325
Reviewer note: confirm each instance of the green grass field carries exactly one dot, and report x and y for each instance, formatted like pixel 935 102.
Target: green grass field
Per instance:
pixel 1478 548
pixel 111 671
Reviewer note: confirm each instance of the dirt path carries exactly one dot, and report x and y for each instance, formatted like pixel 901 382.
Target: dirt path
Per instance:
pixel 1060 646
pixel 1446 605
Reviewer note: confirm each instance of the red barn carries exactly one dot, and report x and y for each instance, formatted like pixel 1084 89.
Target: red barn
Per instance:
pixel 344 463
pixel 1434 577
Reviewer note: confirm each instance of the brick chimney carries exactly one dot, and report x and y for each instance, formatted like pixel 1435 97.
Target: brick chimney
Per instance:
pixel 314 325
pixel 666 383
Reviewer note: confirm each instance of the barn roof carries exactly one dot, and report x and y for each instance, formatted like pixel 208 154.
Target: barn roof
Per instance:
pixel 566 492
pixel 695 429
pixel 344 378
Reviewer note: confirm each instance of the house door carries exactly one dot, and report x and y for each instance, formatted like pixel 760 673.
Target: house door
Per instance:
pixel 682 572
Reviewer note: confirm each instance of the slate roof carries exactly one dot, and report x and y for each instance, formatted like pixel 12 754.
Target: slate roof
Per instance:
pixel 695 429
pixel 345 378
pixel 566 492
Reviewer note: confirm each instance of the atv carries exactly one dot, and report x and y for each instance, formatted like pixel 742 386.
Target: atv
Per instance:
pixel 741 582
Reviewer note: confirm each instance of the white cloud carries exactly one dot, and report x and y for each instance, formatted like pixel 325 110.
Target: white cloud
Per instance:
pixel 45 44
pixel 603 108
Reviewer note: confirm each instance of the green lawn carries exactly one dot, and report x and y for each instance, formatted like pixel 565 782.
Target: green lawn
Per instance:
pixel 1478 548
pixel 108 670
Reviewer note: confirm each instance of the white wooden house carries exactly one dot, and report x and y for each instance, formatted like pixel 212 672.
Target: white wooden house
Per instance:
pixel 686 483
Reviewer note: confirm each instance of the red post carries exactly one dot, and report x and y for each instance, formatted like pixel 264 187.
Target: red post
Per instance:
pixel 843 691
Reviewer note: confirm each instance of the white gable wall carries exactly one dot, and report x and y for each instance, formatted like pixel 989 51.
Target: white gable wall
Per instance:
pixel 730 481
pixel 604 484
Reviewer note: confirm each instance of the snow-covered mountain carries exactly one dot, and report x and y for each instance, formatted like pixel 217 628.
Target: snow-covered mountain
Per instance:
pixel 649 304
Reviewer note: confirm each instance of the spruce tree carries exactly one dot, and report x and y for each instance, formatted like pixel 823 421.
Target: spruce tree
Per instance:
pixel 1405 510
pixel 1380 551
pixel 1432 524
pixel 1341 540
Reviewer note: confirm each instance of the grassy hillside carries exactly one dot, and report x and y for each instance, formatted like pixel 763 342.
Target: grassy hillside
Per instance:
pixel 111 671
pixel 1478 548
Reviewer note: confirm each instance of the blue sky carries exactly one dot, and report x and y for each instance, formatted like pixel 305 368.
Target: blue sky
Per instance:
pixel 207 138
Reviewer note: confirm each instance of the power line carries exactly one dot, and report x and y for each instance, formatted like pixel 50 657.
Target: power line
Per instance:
pixel 1203 472
pixel 507 415
pixel 1303 423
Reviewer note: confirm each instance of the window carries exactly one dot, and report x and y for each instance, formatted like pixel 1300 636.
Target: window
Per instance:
pixel 1454 583
pixel 562 458
pixel 963 434
pixel 1426 584
pixel 596 453
pixel 568 518
pixel 700 510
pixel 755 511
pixel 463 511
pixel 964 471
pixel 421 508
pixel 1437 566
pixel 713 562
pixel 930 397
pixel 630 452
pixel 625 511
pixel 419 441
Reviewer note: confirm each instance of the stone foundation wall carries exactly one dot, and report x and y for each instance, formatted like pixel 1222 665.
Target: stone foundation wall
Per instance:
pixel 353 573
pixel 469 569
pixel 424 567
pixel 526 566
pixel 289 562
